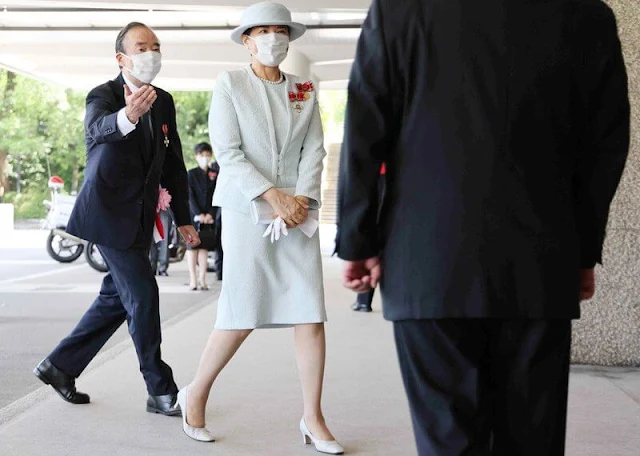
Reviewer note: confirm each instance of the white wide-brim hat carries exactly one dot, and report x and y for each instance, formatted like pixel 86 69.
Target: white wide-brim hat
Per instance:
pixel 267 13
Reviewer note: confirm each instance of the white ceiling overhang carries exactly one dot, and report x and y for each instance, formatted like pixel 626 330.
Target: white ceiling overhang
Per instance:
pixel 71 43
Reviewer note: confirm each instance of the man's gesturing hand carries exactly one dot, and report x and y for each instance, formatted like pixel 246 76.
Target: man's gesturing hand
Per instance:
pixel 190 235
pixel 362 276
pixel 138 103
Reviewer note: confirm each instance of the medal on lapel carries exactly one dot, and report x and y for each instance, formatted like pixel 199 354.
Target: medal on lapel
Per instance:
pixel 165 130
pixel 303 94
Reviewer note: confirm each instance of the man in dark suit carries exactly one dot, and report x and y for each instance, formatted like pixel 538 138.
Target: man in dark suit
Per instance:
pixel 505 129
pixel 132 140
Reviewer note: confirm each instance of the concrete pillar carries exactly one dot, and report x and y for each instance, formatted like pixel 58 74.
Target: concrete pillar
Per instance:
pixel 6 218
pixel 297 63
pixel 609 331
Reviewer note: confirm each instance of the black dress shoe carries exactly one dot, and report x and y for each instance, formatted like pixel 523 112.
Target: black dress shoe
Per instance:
pixel 358 307
pixel 165 405
pixel 163 274
pixel 65 385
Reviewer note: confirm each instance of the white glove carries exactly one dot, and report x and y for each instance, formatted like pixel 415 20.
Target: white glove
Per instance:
pixel 279 228
pixel 275 229
pixel 269 229
pixel 275 232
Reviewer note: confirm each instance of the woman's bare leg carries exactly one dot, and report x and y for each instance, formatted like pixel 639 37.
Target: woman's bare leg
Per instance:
pixel 192 261
pixel 310 355
pixel 202 263
pixel 221 347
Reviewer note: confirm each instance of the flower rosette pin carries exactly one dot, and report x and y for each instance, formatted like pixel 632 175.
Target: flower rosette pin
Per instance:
pixel 305 87
pixel 164 201
pixel 302 94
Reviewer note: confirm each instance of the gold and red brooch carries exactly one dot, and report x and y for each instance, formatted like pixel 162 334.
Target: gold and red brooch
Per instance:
pixel 302 94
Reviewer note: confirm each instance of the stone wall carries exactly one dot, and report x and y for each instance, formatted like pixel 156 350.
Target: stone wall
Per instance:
pixel 609 331
pixel 328 213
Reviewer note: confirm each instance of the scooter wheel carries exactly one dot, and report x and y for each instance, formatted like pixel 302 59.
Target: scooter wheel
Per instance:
pixel 94 258
pixel 63 250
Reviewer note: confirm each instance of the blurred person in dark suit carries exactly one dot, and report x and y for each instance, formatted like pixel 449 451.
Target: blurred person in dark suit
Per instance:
pixel 505 130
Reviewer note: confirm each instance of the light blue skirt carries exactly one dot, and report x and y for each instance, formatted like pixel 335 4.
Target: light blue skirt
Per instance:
pixel 268 285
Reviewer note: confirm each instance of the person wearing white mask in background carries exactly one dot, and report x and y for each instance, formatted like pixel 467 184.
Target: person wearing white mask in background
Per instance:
pixel 202 212
pixel 133 148
pixel 266 130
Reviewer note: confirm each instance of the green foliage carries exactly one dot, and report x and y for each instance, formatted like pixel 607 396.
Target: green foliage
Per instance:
pixel 333 104
pixel 192 111
pixel 42 127
pixel 28 205
pixel 9 197
pixel 40 123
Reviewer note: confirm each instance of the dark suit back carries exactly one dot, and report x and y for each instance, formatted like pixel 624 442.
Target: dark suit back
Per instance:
pixel 116 206
pixel 504 126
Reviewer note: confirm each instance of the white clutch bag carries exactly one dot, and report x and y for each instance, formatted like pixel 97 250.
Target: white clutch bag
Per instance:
pixel 261 214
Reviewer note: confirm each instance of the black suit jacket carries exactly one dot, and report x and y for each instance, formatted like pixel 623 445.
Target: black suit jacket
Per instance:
pixel 116 206
pixel 505 129
pixel 201 190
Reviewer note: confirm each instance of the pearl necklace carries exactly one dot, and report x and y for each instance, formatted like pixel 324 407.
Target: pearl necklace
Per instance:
pixel 279 81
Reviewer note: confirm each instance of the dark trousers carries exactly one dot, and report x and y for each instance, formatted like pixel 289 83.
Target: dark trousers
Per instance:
pixel 479 387
pixel 366 298
pixel 159 253
pixel 129 292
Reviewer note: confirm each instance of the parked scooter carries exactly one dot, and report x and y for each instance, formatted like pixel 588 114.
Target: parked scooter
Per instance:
pixel 62 246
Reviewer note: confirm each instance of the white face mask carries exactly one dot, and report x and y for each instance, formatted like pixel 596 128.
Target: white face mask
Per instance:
pixel 203 161
pixel 272 48
pixel 146 66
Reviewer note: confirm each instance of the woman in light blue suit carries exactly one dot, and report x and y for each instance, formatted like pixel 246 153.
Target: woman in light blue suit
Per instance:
pixel 266 130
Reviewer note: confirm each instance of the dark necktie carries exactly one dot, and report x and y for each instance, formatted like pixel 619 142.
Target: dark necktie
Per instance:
pixel 150 123
pixel 148 136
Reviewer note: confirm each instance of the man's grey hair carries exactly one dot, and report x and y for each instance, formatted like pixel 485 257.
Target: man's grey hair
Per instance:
pixel 123 33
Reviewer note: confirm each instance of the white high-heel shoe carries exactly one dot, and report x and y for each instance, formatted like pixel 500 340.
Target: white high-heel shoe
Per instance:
pixel 323 446
pixel 200 434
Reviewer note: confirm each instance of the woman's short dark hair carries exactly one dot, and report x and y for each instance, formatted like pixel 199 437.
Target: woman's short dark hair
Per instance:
pixel 203 147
